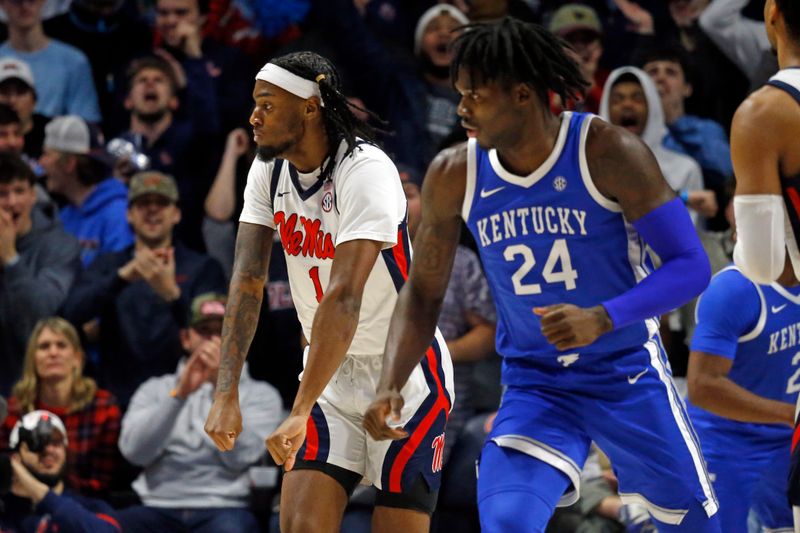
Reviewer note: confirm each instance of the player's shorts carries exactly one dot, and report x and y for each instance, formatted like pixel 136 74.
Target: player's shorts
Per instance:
pixel 407 472
pixel 627 403
pixel 749 476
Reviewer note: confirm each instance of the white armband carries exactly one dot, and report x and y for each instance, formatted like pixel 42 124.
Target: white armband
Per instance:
pixel 760 250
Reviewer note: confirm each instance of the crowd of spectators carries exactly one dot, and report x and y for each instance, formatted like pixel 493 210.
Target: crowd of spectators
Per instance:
pixel 124 151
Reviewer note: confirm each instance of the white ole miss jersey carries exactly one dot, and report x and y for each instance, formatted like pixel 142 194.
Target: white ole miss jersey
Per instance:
pixel 363 199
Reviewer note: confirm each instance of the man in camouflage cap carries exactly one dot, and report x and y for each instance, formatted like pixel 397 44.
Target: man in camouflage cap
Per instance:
pixel 142 293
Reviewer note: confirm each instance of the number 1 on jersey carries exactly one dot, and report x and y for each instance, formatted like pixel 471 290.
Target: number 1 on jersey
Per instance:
pixel 314 275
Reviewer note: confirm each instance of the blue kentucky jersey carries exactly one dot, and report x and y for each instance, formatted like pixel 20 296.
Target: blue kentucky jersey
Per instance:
pixel 551 238
pixel 758 327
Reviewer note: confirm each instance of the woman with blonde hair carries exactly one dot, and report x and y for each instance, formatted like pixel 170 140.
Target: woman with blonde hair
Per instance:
pixel 53 380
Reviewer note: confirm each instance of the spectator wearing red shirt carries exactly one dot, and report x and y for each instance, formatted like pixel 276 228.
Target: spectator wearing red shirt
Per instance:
pixel 53 380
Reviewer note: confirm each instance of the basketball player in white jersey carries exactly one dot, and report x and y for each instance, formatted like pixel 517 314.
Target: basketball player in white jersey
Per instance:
pixel 765 147
pixel 338 203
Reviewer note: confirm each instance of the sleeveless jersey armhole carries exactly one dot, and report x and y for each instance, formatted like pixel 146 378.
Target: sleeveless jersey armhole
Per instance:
pixel 469 190
pixel 596 195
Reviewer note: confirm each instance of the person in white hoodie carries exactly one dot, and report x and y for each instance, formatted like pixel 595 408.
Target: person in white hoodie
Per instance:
pixel 187 484
pixel 630 99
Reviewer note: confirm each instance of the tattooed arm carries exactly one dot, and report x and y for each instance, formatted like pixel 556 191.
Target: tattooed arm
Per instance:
pixel 253 249
pixel 417 310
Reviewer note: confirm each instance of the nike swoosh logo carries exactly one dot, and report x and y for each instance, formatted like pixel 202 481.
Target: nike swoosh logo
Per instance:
pixel 778 308
pixel 634 379
pixel 282 193
pixel 487 194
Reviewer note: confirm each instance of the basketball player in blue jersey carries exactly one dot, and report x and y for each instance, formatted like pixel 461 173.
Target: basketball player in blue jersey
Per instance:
pixel 743 376
pixel 765 148
pixel 561 208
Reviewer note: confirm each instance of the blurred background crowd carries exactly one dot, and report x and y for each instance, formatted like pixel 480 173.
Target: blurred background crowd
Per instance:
pixel 124 150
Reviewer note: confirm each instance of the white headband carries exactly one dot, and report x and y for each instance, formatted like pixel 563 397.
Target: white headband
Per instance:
pixel 289 81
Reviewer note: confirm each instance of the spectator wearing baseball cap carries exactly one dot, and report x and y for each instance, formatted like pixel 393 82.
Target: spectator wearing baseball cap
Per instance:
pixel 579 25
pixel 17 89
pixel 39 500
pixel 141 294
pixel 187 484
pixel 79 169
pixel 62 73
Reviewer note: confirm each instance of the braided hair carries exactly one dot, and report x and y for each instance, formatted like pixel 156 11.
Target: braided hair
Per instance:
pixel 512 51
pixel 791 15
pixel 337 116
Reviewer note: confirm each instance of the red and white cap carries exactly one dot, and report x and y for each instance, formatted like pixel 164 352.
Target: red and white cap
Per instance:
pixel 31 420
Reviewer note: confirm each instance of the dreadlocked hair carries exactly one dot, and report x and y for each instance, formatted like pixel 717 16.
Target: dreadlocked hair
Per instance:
pixel 791 15
pixel 512 51
pixel 337 116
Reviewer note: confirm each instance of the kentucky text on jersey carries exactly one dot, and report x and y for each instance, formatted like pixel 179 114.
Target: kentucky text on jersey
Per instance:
pixel 551 238
pixel 535 219
pixel 783 339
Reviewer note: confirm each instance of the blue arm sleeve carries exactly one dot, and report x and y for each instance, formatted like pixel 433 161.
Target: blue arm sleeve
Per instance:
pixel 728 309
pixel 684 272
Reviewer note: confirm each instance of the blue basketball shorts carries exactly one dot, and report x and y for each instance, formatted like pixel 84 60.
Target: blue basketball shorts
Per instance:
pixel 626 403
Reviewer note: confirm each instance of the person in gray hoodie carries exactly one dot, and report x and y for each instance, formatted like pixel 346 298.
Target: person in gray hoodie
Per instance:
pixel 630 100
pixel 38 263
pixel 187 484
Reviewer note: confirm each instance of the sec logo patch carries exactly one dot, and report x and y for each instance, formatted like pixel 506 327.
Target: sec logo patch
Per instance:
pixel 327 202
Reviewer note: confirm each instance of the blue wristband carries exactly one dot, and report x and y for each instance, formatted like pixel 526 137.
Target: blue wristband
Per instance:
pixel 684 195
pixel 684 272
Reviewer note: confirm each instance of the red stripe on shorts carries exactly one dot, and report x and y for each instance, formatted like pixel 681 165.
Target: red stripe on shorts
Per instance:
pixel 312 440
pixel 400 462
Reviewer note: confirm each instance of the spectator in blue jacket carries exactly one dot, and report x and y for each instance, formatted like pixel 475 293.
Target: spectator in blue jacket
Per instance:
pixel 39 502
pixel 79 169
pixel 141 294
pixel 702 139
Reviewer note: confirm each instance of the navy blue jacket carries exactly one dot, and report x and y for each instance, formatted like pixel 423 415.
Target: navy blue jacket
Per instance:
pixel 139 331
pixel 65 513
